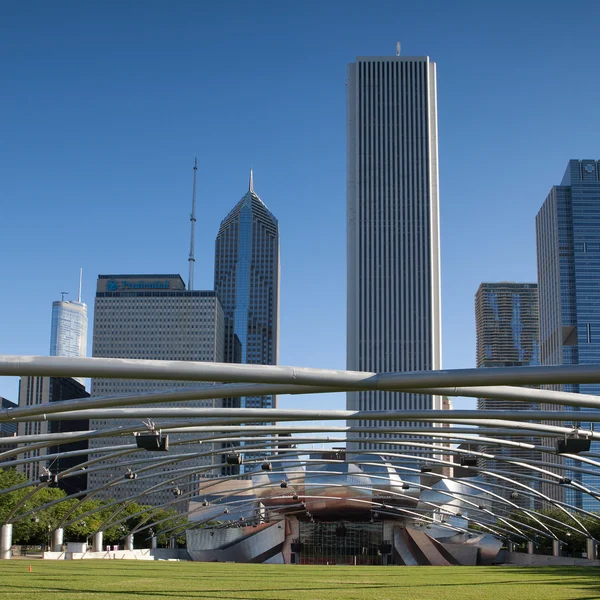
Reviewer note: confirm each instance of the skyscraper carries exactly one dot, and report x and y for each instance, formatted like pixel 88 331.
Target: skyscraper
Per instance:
pixel 34 391
pixel 68 336
pixel 151 316
pixel 568 257
pixel 506 318
pixel 393 317
pixel 7 429
pixel 247 284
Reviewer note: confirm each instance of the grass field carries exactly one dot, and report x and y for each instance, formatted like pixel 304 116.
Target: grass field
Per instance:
pixel 103 580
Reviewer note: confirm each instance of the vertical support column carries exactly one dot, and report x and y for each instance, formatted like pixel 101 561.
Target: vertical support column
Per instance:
pixel 555 548
pixel 97 541
pixel 129 542
pixel 510 546
pixel 57 539
pixel 590 548
pixel 154 542
pixel 6 541
pixel 529 547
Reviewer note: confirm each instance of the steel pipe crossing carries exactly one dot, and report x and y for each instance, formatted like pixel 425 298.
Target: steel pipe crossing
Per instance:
pixel 250 435
pixel 58 366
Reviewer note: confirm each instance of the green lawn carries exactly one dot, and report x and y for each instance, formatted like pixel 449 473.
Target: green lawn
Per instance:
pixel 115 580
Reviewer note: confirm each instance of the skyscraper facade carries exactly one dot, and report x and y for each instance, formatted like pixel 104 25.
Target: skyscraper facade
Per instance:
pixel 393 261
pixel 7 429
pixel 247 284
pixel 506 319
pixel 151 316
pixel 34 391
pixel 568 259
pixel 68 336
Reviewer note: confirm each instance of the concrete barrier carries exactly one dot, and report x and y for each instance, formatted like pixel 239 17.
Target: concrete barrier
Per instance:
pixel 542 560
pixel 139 554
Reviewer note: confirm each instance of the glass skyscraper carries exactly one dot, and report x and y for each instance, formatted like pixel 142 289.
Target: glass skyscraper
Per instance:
pixel 68 336
pixel 568 256
pixel 506 319
pixel 247 284
pixel 393 261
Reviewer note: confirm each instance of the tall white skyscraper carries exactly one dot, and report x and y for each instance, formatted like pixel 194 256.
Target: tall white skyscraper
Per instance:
pixel 394 314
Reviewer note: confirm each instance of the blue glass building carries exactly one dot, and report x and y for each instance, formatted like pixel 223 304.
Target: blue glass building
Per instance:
pixel 247 284
pixel 68 336
pixel 568 255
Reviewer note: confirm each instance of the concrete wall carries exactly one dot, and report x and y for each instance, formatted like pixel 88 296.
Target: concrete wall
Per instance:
pixel 142 554
pixel 541 560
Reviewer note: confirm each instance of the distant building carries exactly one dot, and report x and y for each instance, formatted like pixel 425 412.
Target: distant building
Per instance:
pixel 7 429
pixel 393 262
pixel 247 284
pixel 68 336
pixel 568 258
pixel 506 318
pixel 34 391
pixel 153 317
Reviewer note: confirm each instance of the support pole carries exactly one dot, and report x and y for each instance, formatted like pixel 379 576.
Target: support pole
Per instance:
pixel 511 546
pixel 98 541
pixel 6 541
pixel 529 547
pixel 591 548
pixel 129 542
pixel 57 539
pixel 555 548
pixel 154 542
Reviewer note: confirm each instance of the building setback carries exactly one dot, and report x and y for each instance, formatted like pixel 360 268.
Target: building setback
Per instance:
pixel 247 284
pixel 568 261
pixel 393 262
pixel 153 317
pixel 506 319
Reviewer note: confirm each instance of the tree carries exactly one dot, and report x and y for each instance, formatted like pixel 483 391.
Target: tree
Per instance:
pixel 560 524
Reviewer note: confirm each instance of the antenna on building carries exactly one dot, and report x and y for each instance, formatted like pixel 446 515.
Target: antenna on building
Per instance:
pixel 79 291
pixel 191 259
pixel 397 48
pixel 63 294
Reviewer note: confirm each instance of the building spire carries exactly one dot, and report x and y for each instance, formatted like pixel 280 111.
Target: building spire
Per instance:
pixel 251 183
pixel 192 259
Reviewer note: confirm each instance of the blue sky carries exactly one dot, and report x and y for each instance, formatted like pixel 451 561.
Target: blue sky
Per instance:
pixel 105 105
